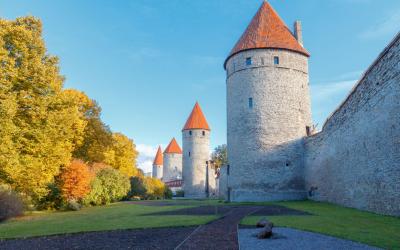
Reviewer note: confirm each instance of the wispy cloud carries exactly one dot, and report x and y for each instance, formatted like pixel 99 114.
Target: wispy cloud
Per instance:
pixel 327 96
pixel 146 156
pixel 387 26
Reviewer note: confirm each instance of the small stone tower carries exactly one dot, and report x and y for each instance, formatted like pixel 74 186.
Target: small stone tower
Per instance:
pixel 172 162
pixel 268 110
pixel 196 152
pixel 158 164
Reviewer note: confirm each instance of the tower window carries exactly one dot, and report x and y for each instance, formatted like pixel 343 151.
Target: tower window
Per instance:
pixel 276 60
pixel 248 61
pixel 189 153
pixel 250 103
pixel 204 133
pixel 190 132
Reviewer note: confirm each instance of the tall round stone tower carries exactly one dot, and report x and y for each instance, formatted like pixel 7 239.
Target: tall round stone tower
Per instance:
pixel 196 152
pixel 172 169
pixel 268 110
pixel 158 165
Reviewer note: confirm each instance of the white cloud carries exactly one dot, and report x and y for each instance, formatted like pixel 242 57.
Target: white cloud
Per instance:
pixel 146 156
pixel 387 26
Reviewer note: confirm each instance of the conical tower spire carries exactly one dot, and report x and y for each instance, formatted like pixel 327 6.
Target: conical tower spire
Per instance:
pixel 196 119
pixel 173 148
pixel 158 160
pixel 267 30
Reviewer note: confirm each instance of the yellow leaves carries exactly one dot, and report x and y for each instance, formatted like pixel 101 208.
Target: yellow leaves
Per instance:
pixel 43 126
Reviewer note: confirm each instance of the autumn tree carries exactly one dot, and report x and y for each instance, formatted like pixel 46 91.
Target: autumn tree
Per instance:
pixel 122 154
pixel 219 156
pixel 42 124
pixel 75 181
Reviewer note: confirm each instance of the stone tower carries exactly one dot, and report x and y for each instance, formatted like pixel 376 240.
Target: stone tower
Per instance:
pixel 172 162
pixel 268 110
pixel 196 152
pixel 158 164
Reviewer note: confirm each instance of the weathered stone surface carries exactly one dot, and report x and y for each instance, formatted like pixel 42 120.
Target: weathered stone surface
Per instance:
pixel 355 160
pixel 196 151
pixel 265 145
pixel 172 167
pixel 157 171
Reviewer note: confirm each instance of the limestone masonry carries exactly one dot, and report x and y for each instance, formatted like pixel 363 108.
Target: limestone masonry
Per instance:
pixel 273 153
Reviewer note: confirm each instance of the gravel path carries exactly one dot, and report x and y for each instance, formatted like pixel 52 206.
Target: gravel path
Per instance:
pixel 289 239
pixel 219 234
pixel 163 238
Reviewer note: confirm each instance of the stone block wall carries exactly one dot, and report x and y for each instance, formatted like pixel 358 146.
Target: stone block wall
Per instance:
pixel 355 160
pixel 172 167
pixel 265 145
pixel 196 151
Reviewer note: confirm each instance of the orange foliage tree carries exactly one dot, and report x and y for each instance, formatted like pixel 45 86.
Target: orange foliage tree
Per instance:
pixel 75 181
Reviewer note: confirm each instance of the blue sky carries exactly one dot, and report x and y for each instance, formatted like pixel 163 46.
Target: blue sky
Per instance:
pixel 147 61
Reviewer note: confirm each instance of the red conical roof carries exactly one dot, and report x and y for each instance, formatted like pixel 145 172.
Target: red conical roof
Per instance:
pixel 196 119
pixel 173 148
pixel 267 30
pixel 158 160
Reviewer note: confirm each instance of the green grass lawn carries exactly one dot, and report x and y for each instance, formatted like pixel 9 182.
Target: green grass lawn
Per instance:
pixel 347 223
pixel 368 228
pixel 112 217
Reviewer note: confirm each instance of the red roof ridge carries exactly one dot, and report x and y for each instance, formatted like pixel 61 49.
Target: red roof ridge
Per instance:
pixel 173 148
pixel 196 119
pixel 158 160
pixel 267 30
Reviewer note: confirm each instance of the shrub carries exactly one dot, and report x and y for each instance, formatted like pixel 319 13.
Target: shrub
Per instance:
pixel 137 187
pixel 149 188
pixel 75 181
pixel 53 200
pixel 10 205
pixel 109 185
pixel 167 193
pixel 180 193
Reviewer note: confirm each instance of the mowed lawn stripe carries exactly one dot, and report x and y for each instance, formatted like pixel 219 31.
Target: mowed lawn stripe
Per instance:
pixel 111 217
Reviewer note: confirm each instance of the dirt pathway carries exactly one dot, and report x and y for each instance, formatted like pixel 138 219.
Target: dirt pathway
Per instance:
pixel 219 234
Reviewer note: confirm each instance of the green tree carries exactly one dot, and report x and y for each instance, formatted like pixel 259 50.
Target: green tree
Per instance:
pixel 108 186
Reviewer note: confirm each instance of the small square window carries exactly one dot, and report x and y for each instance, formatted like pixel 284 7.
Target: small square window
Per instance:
pixel 248 61
pixel 190 132
pixel 250 102
pixel 204 133
pixel 276 60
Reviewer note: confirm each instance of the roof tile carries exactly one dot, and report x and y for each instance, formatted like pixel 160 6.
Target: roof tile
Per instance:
pixel 158 160
pixel 196 119
pixel 267 30
pixel 173 148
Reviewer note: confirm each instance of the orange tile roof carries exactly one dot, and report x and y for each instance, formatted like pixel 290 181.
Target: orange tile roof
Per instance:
pixel 173 148
pixel 158 160
pixel 196 119
pixel 267 30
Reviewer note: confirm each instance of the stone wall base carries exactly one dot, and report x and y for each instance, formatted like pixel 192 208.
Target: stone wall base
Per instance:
pixel 261 195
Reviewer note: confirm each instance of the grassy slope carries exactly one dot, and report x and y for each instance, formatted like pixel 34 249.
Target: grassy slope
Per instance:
pixel 352 224
pixel 115 216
